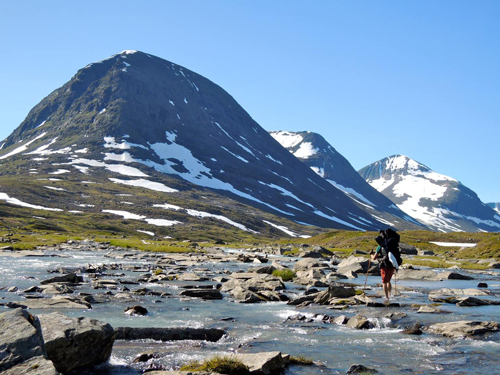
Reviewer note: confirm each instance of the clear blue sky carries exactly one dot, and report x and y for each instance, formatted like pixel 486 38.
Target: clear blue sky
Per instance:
pixel 375 78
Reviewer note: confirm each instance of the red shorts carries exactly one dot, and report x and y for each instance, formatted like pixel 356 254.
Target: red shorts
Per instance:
pixel 386 274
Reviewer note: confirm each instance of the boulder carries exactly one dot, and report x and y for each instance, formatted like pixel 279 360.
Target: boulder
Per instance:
pixel 69 278
pixel 20 338
pixel 169 334
pixel 56 302
pixel 202 293
pixel 355 264
pixel 472 301
pixel 136 310
pixel 264 363
pixel 308 277
pixel 332 292
pixel 359 322
pixel 449 275
pixel 360 369
pixel 76 343
pixel 471 329
pixel 407 249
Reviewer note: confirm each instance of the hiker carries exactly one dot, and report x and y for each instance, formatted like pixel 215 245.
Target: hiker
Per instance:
pixel 388 254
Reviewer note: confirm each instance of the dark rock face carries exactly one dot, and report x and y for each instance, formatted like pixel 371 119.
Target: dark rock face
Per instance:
pixel 444 204
pixel 20 338
pixel 76 343
pixel 140 110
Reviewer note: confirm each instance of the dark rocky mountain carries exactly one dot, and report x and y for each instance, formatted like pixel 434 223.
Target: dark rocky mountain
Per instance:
pixel 315 152
pixel 440 202
pixel 134 123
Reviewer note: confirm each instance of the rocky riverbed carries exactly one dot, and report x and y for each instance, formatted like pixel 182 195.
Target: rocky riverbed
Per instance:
pixel 157 311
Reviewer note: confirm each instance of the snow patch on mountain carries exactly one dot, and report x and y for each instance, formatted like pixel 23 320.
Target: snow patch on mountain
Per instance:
pixel 203 214
pixel 285 230
pixel 352 192
pixel 287 139
pixel 151 185
pixel 306 150
pixel 23 147
pixel 17 202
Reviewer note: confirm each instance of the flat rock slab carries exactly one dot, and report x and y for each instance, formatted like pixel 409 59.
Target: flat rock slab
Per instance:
pixel 169 334
pixel 53 303
pixel 464 328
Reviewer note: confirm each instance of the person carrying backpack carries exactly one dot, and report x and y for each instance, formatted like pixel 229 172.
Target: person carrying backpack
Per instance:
pixel 389 256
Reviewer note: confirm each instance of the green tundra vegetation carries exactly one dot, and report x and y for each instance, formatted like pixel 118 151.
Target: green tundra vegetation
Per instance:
pixel 22 229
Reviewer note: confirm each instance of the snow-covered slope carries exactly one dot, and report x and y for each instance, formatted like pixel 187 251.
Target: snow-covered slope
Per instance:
pixel 495 206
pixel 315 152
pixel 143 122
pixel 439 201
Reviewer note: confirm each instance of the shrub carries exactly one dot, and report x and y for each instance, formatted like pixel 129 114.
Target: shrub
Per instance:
pixel 220 364
pixel 285 274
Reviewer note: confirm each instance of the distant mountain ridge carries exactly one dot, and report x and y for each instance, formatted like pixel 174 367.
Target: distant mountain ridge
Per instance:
pixel 137 121
pixel 495 206
pixel 439 201
pixel 315 152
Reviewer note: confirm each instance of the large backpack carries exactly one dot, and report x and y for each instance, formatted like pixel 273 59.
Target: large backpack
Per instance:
pixel 389 242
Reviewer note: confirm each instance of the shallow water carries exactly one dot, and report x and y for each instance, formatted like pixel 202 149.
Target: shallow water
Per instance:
pixel 262 327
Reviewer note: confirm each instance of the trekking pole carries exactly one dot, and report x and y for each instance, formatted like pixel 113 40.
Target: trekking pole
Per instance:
pixel 368 269
pixel 396 283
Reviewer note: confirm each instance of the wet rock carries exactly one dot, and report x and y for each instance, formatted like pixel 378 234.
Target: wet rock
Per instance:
pixel 143 357
pixel 136 310
pixel 340 320
pixel 482 285
pixel 448 275
pixel 169 334
pixel 33 289
pixel 472 329
pixel 359 322
pixel 494 265
pixel 12 289
pixel 304 298
pixel 264 363
pixel 56 289
pixel 76 343
pixel 207 294
pixel 332 292
pixel 396 315
pixel 360 369
pixel 472 301
pixel 20 338
pixel 415 330
pixel 69 278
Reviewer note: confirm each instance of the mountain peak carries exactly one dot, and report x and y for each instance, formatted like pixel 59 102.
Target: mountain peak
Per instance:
pixel 439 201
pixel 140 116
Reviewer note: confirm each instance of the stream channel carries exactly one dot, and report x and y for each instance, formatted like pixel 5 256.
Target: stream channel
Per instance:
pixel 263 327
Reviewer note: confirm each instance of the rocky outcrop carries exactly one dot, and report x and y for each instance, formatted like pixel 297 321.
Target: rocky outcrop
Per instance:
pixel 169 334
pixel 35 366
pixel 76 343
pixel 20 339
pixel 471 329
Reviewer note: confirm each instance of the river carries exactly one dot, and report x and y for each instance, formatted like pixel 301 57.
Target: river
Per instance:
pixel 263 327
